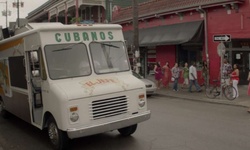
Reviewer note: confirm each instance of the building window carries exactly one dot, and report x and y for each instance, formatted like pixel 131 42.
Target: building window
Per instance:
pixel 189 54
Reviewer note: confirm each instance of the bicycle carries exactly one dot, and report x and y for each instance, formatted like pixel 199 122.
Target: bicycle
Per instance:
pixel 227 90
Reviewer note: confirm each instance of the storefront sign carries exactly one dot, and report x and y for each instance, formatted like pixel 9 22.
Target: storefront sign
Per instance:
pixel 241 43
pixel 83 36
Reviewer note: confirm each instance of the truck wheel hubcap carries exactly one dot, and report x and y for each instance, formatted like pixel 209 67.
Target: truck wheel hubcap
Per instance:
pixel 1 106
pixel 53 133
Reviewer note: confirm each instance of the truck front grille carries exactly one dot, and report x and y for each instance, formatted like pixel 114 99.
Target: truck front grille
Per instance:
pixel 109 107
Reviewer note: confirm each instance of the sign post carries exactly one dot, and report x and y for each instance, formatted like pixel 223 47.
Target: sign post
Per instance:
pixel 221 49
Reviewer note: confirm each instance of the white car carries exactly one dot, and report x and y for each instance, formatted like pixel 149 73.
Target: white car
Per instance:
pixel 150 85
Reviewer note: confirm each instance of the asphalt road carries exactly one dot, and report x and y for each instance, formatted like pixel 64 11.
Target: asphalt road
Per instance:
pixel 174 125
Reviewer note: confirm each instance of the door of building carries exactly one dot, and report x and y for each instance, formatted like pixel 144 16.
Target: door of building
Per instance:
pixel 242 58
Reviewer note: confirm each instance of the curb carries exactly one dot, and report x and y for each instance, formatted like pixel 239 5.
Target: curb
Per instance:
pixel 212 101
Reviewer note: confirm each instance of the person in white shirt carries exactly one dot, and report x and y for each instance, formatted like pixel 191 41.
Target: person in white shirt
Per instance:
pixel 226 71
pixel 193 78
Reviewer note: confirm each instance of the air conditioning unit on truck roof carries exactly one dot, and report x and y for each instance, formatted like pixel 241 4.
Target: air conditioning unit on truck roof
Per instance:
pixel 73 80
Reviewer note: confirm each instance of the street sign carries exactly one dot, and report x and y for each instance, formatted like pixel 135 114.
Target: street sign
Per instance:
pixel 222 38
pixel 221 49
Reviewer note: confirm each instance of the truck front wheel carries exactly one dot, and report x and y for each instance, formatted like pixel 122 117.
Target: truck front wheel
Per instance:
pixel 58 138
pixel 3 112
pixel 127 131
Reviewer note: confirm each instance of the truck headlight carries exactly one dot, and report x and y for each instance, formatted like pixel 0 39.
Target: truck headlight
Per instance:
pixel 74 117
pixel 142 101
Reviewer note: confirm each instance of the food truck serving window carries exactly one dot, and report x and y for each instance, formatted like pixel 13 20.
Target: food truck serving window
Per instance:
pixel 67 60
pixel 109 57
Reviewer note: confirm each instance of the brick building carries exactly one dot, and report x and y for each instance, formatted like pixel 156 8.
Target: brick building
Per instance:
pixel 183 31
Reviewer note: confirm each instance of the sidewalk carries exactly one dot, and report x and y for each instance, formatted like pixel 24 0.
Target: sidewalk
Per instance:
pixel 243 99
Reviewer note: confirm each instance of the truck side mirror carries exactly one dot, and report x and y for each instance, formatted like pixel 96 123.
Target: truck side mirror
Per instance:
pixel 35 73
pixel 34 57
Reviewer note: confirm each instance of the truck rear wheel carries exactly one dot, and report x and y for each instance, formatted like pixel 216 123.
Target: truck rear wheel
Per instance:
pixel 3 112
pixel 127 131
pixel 58 138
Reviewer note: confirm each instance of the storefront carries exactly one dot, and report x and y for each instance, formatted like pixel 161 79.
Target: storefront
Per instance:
pixel 238 52
pixel 180 43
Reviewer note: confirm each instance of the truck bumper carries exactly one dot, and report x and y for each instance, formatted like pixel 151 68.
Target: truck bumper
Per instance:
pixel 101 128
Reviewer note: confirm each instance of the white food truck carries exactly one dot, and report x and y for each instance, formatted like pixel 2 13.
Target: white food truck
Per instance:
pixel 73 80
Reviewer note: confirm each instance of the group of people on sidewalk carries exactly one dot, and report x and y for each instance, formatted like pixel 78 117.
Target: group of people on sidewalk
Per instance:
pixel 189 74
pixel 165 74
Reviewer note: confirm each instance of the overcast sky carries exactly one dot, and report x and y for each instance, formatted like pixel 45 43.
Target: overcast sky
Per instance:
pixel 29 5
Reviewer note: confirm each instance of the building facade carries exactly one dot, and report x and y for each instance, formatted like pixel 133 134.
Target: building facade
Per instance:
pixel 184 31
pixel 169 30
pixel 99 11
pixel 70 11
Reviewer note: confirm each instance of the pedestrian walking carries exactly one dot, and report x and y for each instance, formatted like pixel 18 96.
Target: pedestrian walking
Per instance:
pixel 235 80
pixel 175 71
pixel 193 78
pixel 226 71
pixel 185 75
pixel 204 73
pixel 248 90
pixel 165 80
pixel 158 74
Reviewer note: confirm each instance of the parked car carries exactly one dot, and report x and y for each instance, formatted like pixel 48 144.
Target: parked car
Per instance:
pixel 150 85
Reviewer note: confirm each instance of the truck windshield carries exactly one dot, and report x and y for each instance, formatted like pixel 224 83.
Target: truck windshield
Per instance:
pixel 67 60
pixel 109 57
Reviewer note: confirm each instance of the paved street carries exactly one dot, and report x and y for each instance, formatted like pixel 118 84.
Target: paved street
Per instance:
pixel 175 124
pixel 192 125
pixel 243 99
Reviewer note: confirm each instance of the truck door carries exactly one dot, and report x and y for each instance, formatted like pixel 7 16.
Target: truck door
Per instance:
pixel 34 61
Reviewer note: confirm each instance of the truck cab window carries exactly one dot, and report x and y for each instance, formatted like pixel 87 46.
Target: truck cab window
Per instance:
pixel 109 57
pixel 67 60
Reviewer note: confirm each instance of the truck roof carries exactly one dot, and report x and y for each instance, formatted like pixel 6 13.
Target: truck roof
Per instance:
pixel 31 28
pixel 57 25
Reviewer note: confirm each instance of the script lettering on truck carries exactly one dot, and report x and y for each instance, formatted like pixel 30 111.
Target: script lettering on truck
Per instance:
pixel 83 36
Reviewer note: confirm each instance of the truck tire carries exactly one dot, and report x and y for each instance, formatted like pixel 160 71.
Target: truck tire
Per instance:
pixel 127 131
pixel 4 113
pixel 58 138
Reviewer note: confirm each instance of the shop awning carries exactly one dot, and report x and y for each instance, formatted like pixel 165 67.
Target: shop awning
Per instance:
pixel 175 34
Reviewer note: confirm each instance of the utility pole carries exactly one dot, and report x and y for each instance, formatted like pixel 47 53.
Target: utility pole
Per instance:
pixel 17 5
pixel 135 47
pixel 18 23
pixel 6 13
pixel 108 13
